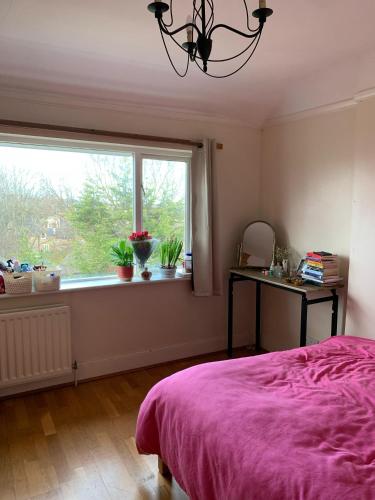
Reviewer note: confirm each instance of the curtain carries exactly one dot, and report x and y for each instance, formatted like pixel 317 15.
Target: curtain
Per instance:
pixel 202 220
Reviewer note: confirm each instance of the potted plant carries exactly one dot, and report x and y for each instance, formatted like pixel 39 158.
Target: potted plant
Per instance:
pixel 170 251
pixel 122 256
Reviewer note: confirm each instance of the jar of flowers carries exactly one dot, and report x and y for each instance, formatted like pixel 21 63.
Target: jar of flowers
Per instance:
pixel 170 251
pixel 143 245
pixel 122 256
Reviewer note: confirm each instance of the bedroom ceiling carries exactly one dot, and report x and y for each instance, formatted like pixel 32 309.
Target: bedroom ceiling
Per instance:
pixel 112 50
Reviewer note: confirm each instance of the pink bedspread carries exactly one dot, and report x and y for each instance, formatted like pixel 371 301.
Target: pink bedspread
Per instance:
pixel 291 425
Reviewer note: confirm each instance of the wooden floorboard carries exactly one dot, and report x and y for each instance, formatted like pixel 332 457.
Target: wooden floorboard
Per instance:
pixel 78 443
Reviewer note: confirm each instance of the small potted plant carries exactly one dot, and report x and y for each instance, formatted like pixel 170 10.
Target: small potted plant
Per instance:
pixel 122 255
pixel 170 251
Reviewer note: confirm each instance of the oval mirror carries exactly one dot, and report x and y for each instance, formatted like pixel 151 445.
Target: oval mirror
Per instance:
pixel 258 245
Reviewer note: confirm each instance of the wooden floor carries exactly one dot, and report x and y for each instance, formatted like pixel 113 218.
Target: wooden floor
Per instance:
pixel 78 443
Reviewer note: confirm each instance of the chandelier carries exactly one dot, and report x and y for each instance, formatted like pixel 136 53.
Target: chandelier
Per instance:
pixel 200 28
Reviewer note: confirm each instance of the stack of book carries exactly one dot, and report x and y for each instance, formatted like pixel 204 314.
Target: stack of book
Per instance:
pixel 321 268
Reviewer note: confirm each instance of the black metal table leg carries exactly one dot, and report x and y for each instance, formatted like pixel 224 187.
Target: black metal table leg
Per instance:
pixel 257 316
pixel 335 309
pixel 303 334
pixel 230 316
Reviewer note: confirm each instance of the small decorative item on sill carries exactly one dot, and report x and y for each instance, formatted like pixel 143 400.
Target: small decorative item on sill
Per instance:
pixel 122 255
pixel 170 251
pixel 143 246
pixel 146 274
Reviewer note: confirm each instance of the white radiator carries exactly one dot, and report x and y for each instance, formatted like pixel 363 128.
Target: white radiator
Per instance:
pixel 35 344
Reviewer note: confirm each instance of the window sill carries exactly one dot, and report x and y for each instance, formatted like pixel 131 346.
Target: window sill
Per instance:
pixel 99 283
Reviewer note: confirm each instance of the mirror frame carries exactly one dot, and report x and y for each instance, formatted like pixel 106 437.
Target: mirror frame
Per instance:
pixel 240 246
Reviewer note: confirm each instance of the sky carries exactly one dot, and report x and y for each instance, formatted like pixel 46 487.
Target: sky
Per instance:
pixel 68 169
pixel 65 168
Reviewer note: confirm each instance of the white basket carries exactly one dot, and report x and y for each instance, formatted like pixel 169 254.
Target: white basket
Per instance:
pixel 18 283
pixel 47 281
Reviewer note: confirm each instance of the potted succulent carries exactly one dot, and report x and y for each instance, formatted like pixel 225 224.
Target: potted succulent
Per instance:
pixel 122 255
pixel 170 251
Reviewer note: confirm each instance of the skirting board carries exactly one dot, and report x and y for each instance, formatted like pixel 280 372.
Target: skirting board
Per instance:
pixel 115 364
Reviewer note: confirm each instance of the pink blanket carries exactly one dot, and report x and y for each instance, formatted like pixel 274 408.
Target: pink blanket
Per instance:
pixel 290 425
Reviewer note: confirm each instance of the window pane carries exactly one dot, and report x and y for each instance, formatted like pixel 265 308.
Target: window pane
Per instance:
pixel 164 199
pixel 64 208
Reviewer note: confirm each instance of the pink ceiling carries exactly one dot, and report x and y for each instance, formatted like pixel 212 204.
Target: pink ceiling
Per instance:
pixel 112 49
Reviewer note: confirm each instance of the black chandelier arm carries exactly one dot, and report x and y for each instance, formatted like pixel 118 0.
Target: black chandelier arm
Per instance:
pixel 247 17
pixel 182 75
pixel 211 19
pixel 166 31
pixel 234 30
pixel 196 56
pixel 172 20
pixel 238 69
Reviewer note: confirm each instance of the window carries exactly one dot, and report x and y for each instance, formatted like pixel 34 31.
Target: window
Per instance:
pixel 66 206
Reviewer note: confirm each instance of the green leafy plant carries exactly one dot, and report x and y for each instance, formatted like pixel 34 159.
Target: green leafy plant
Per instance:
pixel 170 251
pixel 122 254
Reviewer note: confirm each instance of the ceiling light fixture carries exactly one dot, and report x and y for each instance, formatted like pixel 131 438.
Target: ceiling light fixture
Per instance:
pixel 199 30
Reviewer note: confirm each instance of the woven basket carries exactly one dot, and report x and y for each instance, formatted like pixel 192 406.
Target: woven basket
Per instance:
pixel 18 283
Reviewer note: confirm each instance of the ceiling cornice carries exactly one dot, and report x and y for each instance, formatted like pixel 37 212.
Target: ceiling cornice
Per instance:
pixel 51 97
pixel 361 96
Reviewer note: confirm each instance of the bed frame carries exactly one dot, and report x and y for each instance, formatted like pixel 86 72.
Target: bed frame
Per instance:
pixel 164 469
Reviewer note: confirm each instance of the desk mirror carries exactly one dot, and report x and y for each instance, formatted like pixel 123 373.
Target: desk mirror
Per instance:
pixel 257 246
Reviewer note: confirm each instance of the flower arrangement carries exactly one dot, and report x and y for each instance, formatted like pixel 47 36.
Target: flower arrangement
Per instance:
pixel 140 236
pixel 281 254
pixel 143 246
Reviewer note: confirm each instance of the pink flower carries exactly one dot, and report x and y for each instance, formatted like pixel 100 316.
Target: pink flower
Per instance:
pixel 140 236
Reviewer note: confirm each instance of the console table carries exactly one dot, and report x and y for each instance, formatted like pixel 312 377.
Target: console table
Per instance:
pixel 260 279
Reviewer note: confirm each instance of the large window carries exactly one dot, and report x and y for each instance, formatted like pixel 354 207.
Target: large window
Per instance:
pixel 65 207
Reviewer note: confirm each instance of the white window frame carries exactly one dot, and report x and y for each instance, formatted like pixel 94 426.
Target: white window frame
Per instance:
pixel 139 174
pixel 139 153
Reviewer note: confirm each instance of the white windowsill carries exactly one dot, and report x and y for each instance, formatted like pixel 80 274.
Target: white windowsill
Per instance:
pixel 96 283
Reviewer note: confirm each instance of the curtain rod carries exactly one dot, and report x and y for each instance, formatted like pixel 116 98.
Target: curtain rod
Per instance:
pixel 98 133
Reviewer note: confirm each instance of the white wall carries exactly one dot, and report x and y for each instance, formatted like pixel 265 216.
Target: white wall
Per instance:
pixel 120 328
pixel 361 310
pixel 306 194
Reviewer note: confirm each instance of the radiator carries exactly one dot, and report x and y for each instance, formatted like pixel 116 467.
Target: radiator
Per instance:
pixel 35 344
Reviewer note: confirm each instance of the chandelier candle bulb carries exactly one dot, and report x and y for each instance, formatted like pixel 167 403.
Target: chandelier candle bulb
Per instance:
pixel 189 29
pixel 262 4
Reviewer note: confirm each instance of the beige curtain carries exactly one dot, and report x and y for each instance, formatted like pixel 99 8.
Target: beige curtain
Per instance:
pixel 202 220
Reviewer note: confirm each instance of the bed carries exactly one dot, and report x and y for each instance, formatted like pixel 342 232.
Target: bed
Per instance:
pixel 298 424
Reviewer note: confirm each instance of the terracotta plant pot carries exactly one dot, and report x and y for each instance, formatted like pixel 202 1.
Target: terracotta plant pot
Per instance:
pixel 125 273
